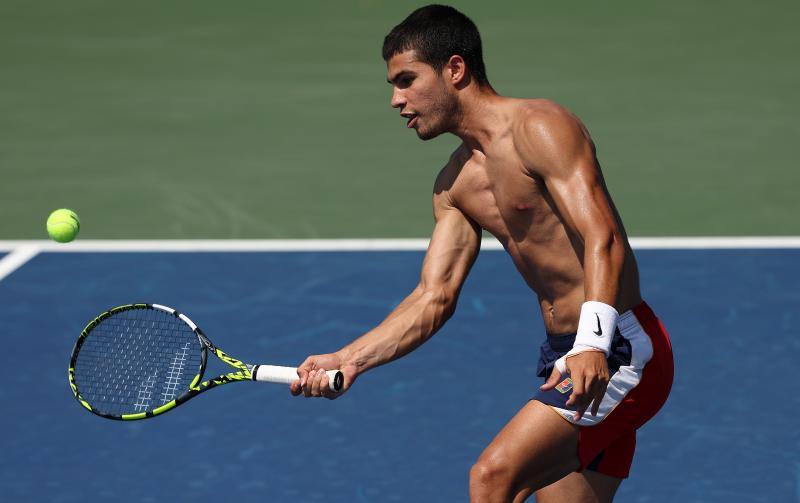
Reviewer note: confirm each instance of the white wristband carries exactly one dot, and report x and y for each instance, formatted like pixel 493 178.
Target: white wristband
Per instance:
pixel 596 326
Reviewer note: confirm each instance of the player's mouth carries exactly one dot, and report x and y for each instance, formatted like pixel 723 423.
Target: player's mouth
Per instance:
pixel 412 120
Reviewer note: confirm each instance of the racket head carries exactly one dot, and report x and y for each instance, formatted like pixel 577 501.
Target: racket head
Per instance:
pixel 137 361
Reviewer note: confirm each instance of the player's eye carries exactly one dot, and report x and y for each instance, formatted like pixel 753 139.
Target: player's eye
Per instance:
pixel 405 82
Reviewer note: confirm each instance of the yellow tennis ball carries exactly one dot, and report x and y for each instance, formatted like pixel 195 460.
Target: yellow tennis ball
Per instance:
pixel 63 225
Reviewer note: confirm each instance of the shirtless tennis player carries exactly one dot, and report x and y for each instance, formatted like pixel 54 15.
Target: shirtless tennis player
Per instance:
pixel 526 171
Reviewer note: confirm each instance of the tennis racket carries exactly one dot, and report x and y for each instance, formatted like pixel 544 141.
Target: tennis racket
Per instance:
pixel 138 361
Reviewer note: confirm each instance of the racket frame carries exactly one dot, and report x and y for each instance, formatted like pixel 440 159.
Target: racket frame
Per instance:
pixel 243 372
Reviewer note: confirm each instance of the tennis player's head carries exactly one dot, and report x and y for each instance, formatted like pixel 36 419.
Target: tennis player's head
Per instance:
pixel 432 57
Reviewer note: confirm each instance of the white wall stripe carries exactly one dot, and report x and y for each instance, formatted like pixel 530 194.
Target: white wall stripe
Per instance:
pixel 267 245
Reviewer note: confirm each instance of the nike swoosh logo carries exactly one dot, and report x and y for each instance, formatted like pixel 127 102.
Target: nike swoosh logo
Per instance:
pixel 599 331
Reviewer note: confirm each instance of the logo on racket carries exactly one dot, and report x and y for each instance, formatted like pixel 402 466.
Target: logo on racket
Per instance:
pixel 204 340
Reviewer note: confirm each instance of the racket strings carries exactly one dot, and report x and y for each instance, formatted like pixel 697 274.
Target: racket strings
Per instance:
pixel 136 360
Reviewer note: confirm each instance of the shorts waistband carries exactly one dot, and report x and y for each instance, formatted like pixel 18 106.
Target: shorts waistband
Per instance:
pixel 561 342
pixel 627 322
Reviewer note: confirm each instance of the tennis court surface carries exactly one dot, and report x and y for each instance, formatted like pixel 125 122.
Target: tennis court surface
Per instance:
pixel 408 431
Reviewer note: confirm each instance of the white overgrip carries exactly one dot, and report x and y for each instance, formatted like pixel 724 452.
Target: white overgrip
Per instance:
pixel 287 375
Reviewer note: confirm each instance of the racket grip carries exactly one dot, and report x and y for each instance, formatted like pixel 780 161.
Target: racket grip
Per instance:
pixel 287 375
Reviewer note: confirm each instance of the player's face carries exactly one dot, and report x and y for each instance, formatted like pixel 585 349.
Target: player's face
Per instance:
pixel 421 94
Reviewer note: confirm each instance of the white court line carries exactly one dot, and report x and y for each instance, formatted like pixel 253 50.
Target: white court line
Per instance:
pixel 712 243
pixel 267 245
pixel 24 250
pixel 222 245
pixel 16 259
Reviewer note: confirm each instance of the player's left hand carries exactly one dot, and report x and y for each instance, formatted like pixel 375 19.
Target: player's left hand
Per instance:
pixel 589 373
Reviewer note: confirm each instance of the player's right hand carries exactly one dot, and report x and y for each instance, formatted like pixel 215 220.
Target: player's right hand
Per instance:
pixel 313 381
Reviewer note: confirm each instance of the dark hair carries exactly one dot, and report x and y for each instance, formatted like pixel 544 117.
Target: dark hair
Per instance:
pixel 437 32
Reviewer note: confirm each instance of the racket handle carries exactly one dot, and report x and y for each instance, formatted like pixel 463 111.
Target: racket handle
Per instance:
pixel 287 375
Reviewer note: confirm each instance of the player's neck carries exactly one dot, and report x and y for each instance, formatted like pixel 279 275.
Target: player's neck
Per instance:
pixel 480 118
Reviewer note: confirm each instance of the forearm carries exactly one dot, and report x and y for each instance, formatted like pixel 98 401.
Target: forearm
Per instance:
pixel 604 256
pixel 406 328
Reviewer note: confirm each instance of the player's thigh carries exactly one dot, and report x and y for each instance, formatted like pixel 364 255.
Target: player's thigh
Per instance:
pixel 535 448
pixel 585 487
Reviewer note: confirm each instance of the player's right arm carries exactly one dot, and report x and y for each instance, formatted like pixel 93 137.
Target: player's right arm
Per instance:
pixel 454 245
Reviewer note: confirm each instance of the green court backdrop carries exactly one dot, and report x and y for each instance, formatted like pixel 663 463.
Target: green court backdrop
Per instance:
pixel 255 119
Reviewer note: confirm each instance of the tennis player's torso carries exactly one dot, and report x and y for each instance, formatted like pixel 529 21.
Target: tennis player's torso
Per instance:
pixel 494 189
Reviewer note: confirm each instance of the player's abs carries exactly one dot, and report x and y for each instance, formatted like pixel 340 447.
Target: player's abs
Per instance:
pixel 554 272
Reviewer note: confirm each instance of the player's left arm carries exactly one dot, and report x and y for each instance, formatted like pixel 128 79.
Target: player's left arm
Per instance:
pixel 557 149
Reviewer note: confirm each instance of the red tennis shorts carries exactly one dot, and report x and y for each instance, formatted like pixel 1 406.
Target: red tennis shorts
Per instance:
pixel 641 367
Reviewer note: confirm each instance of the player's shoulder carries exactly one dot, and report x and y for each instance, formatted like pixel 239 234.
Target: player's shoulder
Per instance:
pixel 542 117
pixel 543 129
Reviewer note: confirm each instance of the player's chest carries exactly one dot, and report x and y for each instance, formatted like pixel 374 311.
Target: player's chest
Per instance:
pixel 497 192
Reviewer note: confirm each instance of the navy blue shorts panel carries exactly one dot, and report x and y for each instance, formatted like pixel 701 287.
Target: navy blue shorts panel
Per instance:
pixel 556 346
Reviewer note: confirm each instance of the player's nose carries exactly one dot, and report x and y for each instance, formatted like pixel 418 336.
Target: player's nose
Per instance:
pixel 398 100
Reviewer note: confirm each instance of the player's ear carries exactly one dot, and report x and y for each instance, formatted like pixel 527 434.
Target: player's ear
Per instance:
pixel 456 70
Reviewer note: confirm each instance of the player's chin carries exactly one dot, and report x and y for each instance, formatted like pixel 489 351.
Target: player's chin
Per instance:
pixel 426 134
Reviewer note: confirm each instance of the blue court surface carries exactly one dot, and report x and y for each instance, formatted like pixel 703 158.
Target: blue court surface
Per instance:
pixel 406 432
